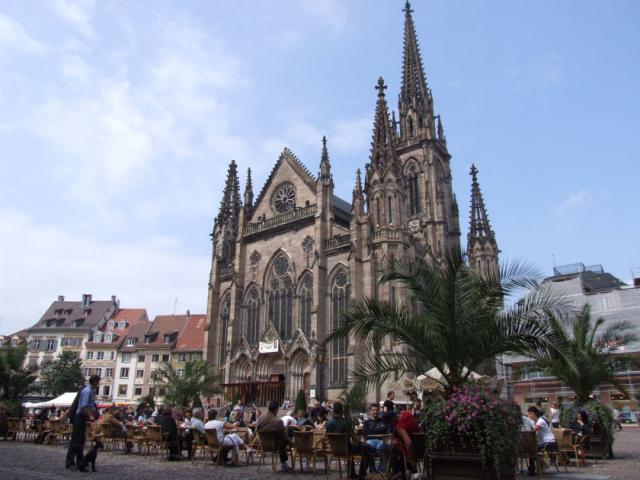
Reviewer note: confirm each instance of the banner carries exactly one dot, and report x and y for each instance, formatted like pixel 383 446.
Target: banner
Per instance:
pixel 268 347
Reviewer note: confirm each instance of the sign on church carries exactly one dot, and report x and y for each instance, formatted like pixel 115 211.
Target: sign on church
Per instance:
pixel 268 347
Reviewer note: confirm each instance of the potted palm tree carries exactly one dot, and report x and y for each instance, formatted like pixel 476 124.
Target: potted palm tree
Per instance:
pixel 456 321
pixel 585 356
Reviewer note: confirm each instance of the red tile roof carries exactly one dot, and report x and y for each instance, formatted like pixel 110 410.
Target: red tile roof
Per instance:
pixel 137 331
pixel 191 338
pixel 163 325
pixel 131 316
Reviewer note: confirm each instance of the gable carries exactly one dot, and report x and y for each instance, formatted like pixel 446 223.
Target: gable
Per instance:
pixel 287 170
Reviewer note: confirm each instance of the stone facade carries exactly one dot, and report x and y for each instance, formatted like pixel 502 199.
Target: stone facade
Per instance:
pixel 285 266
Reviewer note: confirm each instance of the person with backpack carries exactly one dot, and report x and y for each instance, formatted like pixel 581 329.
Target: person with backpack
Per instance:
pixel 82 410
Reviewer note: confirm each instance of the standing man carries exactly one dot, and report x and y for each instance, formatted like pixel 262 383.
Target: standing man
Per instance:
pixel 389 406
pixel 85 412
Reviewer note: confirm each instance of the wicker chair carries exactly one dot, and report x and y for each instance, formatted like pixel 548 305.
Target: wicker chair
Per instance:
pixel 268 447
pixel 13 428
pixel 303 447
pixel 528 449
pixel 157 441
pixel 215 448
pixel 199 445
pixel 566 448
pixel 339 446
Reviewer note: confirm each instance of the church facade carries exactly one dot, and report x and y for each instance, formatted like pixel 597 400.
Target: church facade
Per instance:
pixel 286 264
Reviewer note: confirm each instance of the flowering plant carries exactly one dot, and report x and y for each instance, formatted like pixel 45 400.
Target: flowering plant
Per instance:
pixel 471 420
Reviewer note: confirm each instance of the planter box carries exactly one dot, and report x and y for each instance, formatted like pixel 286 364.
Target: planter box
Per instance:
pixel 460 466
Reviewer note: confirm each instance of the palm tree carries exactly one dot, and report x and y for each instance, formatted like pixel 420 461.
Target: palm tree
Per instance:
pixel 458 322
pixel 183 388
pixel 15 381
pixel 582 358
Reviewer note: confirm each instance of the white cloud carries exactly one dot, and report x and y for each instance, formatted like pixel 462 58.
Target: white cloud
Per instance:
pixel 539 76
pixel 166 123
pixel 575 201
pixel 78 13
pixel 47 260
pixel 332 13
pixel 13 35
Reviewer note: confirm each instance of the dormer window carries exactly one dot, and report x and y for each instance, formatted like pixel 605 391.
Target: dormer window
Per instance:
pixel 58 312
pixel 14 342
pixel 132 341
pixel 112 325
pixel 68 311
pixel 122 325
pixel 109 338
pixel 167 338
pixel 87 312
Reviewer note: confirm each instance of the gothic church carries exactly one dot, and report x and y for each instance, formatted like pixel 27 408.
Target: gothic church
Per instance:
pixel 286 263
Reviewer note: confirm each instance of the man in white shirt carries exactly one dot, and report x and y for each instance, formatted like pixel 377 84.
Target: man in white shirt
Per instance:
pixel 230 440
pixel 546 438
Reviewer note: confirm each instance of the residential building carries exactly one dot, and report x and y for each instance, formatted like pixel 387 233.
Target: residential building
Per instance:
pixel 285 265
pixel 609 299
pixel 14 340
pixel 145 351
pixel 102 347
pixel 67 326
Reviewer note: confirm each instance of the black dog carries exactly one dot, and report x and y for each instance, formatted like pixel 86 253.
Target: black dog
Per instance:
pixel 90 457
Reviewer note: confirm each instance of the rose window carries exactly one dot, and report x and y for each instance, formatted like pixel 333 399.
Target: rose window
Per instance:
pixel 284 198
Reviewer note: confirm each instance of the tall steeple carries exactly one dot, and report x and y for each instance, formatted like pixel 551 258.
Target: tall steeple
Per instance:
pixel 248 192
pixel 415 103
pixel 384 142
pixel 357 205
pixel 225 228
pixel 482 248
pixel 325 165
pixel 230 204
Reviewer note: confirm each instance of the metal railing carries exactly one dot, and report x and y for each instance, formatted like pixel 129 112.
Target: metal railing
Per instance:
pixel 281 219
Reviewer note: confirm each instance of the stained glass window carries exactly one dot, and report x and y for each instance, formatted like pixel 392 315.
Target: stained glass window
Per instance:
pixel 280 297
pixel 339 300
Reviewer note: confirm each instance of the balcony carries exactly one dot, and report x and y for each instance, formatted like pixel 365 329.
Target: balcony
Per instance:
pixel 337 242
pixel 387 234
pixel 278 220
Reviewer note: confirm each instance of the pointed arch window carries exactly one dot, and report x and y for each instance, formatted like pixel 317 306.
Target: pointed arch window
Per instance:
pixel 389 211
pixel 225 312
pixel 252 316
pixel 410 122
pixel 339 301
pixel 306 301
pixel 414 190
pixel 379 219
pixel 280 297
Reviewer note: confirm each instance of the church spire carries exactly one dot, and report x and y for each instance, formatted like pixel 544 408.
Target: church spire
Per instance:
pixel 482 248
pixel 383 144
pixel 325 165
pixel 248 192
pixel 230 203
pixel 357 207
pixel 416 104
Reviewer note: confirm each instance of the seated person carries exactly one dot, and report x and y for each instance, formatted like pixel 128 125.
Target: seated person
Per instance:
pixel 375 425
pixel 270 422
pixel 167 422
pixel 321 422
pixel 339 424
pixel 546 438
pixel 302 420
pixel 404 427
pixel 231 440
pixel 118 430
pixel 581 425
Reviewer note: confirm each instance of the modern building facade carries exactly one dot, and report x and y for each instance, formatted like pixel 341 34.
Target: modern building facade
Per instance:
pixel 286 263
pixel 609 299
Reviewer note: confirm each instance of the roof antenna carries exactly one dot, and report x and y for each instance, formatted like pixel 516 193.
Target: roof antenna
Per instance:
pixel 175 304
pixel 553 256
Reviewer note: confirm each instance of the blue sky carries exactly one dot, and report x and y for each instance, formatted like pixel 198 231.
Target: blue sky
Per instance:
pixel 118 120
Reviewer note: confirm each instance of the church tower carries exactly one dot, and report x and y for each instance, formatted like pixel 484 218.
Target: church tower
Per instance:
pixel 482 248
pixel 425 161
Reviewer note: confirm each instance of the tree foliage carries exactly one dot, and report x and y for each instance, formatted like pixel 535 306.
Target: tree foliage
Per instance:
pixel 456 320
pixel 14 379
pixel 62 375
pixel 199 378
pixel 584 355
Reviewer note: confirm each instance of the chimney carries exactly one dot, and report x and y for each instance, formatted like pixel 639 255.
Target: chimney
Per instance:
pixel 113 299
pixel 188 313
pixel 61 298
pixel 86 299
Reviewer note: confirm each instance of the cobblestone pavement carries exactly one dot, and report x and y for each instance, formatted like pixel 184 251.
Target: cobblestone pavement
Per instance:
pixel 26 461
